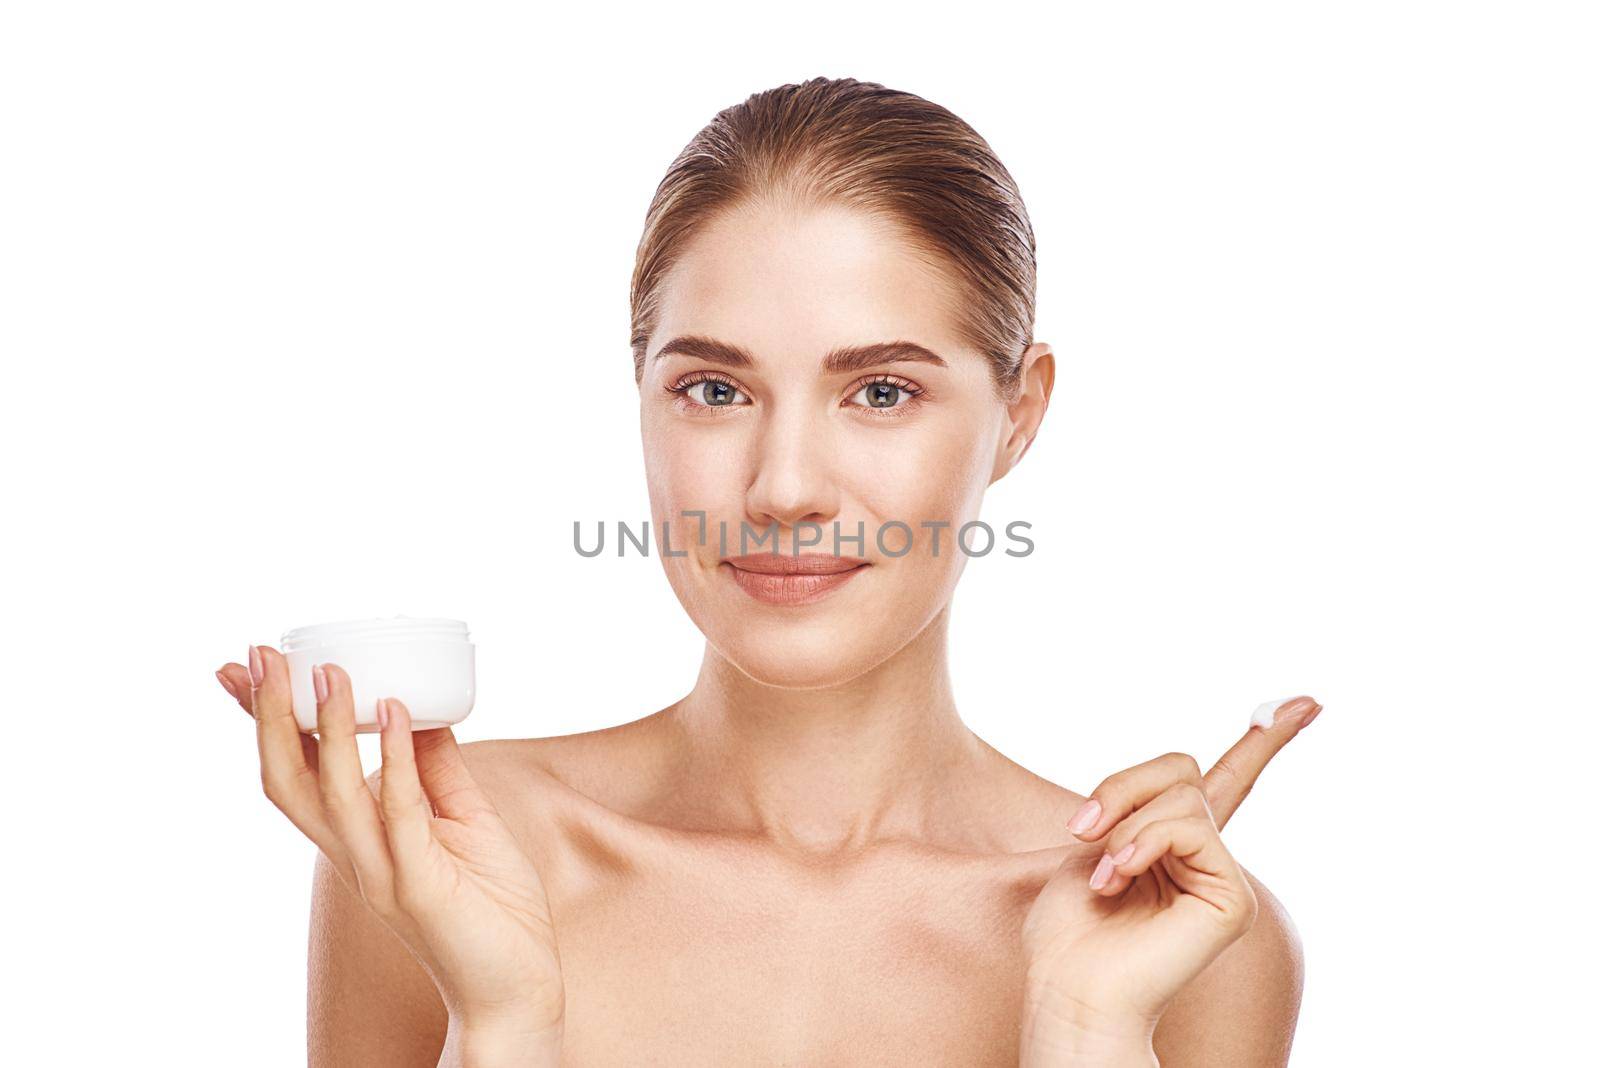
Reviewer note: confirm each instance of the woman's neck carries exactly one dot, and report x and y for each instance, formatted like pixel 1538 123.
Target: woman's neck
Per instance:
pixel 826 770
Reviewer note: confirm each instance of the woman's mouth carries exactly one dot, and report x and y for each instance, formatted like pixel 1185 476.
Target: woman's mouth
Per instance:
pixel 786 579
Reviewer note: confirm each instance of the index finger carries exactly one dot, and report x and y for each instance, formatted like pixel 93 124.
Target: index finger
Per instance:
pixel 286 774
pixel 1229 781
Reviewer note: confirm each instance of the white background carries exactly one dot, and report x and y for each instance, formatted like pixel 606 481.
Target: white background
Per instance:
pixel 314 310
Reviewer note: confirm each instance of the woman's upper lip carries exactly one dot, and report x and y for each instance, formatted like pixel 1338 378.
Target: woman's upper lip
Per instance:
pixel 790 564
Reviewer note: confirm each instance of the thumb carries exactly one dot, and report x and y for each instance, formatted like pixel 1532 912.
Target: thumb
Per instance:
pixel 443 770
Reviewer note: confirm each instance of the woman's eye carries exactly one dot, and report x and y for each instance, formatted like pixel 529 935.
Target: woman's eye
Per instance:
pixel 882 395
pixel 713 394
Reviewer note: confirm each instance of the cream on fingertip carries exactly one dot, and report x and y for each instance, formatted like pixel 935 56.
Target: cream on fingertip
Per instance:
pixel 1266 714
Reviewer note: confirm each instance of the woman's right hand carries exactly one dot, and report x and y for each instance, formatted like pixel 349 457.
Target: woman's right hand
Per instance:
pixel 430 855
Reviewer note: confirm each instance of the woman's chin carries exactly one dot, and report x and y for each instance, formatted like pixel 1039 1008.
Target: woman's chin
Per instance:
pixel 802 658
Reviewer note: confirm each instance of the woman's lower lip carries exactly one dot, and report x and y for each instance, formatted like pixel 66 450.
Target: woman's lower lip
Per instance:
pixel 789 589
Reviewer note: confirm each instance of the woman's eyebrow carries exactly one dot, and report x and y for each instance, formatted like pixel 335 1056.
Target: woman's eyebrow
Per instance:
pixel 839 361
pixel 860 357
pixel 709 349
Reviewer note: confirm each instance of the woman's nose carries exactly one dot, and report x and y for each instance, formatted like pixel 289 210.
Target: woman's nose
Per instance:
pixel 793 480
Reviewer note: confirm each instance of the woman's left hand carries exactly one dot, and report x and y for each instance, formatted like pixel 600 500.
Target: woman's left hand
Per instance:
pixel 1106 951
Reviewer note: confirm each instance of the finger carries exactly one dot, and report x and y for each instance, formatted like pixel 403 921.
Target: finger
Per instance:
pixel 287 776
pixel 1193 840
pixel 1230 780
pixel 235 678
pixel 407 816
pixel 351 809
pixel 449 785
pixel 1178 801
pixel 1118 795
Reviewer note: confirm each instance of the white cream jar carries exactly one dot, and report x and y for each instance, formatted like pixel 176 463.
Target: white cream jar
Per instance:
pixel 427 663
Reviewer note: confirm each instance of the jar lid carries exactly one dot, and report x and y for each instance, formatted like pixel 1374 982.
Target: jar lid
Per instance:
pixel 393 628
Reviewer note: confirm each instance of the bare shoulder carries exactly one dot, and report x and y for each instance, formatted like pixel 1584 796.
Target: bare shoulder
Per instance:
pixel 1242 1010
pixel 1028 812
pixel 605 765
pixel 369 1003
pixel 599 765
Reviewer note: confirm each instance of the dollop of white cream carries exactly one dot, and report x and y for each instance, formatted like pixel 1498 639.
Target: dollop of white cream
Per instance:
pixel 1263 715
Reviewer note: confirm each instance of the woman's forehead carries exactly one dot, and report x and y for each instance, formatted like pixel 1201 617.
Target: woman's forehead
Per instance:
pixel 781 280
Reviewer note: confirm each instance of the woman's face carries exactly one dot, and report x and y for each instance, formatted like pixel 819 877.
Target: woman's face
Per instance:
pixel 754 412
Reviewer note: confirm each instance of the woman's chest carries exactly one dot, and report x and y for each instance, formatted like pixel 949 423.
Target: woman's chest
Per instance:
pixel 705 964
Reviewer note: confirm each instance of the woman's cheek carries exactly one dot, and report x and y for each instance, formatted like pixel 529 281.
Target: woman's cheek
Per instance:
pixel 689 472
pixel 930 475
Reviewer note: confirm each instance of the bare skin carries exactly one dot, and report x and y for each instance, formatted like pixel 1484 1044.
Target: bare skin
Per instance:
pixel 683 943
pixel 810 858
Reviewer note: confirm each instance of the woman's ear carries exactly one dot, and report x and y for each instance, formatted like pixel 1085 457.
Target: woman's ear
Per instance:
pixel 1023 415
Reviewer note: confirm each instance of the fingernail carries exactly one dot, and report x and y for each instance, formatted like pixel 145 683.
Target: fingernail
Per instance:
pixel 1274 712
pixel 383 713
pixel 1102 872
pixel 1085 817
pixel 255 666
pixel 1121 856
pixel 1315 712
pixel 227 684
pixel 320 681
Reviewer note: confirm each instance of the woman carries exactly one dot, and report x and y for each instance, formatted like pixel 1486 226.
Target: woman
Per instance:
pixel 809 859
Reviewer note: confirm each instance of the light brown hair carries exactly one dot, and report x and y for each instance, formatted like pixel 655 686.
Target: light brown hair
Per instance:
pixel 861 145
